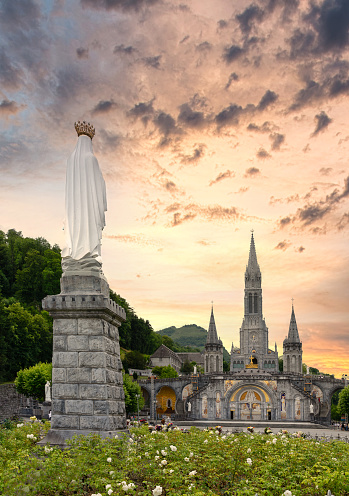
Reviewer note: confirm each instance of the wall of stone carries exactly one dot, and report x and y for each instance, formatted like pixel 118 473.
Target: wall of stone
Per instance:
pixel 10 401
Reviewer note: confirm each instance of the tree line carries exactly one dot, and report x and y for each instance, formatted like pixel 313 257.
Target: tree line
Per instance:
pixel 30 269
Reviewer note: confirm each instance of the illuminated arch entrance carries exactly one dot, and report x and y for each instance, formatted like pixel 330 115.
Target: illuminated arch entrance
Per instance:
pixel 250 402
pixel 165 401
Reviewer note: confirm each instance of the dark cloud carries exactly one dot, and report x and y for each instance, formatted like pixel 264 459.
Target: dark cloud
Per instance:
pixel 184 213
pixel 248 16
pixel 165 123
pixel 67 83
pixel 283 245
pixel 243 189
pixel 178 218
pixel 252 172
pixel 316 211
pixel 325 171
pixel 107 141
pixel 232 53
pixel 263 154
pixel 311 213
pixel 142 109
pixel 285 221
pixel 152 61
pixel 190 117
pixel 104 106
pixel 301 43
pixel 10 74
pixel 117 4
pixel 222 24
pixel 301 249
pixel 277 139
pixel 205 45
pixel 82 53
pixel 128 50
pixel 195 156
pixel 267 99
pixel 229 115
pixel 233 77
pixel 313 91
pixel 8 107
pixel 21 14
pixel 344 221
pixel 223 175
pixel 170 186
pixel 266 127
pixel 322 122
pixel 338 86
pixel 332 24
pixel 184 39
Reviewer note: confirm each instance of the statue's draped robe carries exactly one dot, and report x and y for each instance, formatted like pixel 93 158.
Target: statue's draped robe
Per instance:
pixel 85 203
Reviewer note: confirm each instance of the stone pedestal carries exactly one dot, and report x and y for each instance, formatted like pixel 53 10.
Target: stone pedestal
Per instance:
pixel 87 384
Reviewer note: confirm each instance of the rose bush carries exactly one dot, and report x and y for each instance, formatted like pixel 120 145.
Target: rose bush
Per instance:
pixel 172 463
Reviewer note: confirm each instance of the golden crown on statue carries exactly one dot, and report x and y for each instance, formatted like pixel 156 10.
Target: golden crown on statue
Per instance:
pixel 85 128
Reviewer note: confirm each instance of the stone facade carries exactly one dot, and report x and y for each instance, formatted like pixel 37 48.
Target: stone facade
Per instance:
pixel 10 401
pixel 254 389
pixel 87 384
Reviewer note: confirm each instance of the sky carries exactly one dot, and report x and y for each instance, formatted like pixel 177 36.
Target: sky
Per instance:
pixel 212 119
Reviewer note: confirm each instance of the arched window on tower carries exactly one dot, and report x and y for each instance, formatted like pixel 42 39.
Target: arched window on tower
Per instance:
pixel 255 303
pixel 250 310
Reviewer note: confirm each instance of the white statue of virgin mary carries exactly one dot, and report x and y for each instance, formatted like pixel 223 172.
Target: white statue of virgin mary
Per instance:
pixel 85 205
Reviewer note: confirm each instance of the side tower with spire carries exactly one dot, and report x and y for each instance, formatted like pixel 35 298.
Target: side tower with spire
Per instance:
pixel 254 352
pixel 213 349
pixel 293 352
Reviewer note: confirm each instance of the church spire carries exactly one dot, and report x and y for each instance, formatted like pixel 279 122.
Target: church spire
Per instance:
pixel 293 336
pixel 212 337
pixel 252 266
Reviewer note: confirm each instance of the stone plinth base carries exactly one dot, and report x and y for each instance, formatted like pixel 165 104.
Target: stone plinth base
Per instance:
pixel 59 437
pixel 87 383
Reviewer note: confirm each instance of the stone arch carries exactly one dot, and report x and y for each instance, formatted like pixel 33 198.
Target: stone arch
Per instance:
pixel 165 401
pixel 187 390
pixel 262 405
pixel 146 396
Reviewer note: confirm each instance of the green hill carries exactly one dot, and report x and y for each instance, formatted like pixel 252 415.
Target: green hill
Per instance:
pixel 190 335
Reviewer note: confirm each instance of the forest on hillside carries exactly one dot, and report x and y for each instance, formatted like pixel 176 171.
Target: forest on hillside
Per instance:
pixel 30 269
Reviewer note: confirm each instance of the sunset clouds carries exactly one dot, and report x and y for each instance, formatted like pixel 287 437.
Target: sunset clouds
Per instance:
pixel 212 119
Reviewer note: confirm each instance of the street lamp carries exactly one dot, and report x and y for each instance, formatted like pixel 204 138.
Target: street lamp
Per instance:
pixel 137 396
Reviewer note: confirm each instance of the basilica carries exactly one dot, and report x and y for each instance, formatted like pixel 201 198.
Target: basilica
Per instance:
pixel 254 388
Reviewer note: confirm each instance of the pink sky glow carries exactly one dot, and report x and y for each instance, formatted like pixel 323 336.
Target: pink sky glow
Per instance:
pixel 212 119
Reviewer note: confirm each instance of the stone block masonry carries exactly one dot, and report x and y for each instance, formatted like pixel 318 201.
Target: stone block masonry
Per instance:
pixel 87 383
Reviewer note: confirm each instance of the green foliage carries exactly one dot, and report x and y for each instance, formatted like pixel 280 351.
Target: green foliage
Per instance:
pixel 136 333
pixel 165 372
pixel 25 338
pixel 131 389
pixel 200 465
pixel 343 402
pixel 29 268
pixel 226 366
pixel 31 381
pixel 187 367
pixel 190 337
pixel 135 360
